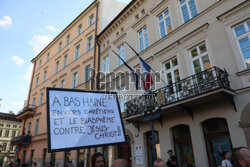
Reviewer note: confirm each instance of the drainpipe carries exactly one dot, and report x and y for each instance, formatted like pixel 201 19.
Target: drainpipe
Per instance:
pixel 98 68
pixel 94 60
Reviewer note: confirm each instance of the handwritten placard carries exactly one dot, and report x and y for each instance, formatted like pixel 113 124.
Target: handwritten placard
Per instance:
pixel 78 119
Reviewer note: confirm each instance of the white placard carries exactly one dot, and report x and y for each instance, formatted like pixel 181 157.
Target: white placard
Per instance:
pixel 138 150
pixel 139 160
pixel 78 119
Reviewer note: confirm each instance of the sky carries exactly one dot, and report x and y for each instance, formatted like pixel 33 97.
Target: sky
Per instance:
pixel 26 27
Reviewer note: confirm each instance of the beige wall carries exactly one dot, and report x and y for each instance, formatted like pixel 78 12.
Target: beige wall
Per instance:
pixel 212 26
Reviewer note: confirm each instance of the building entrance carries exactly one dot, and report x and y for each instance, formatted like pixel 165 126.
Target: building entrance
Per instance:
pixel 124 151
pixel 217 140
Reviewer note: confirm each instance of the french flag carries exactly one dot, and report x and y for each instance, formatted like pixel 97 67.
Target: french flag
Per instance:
pixel 145 73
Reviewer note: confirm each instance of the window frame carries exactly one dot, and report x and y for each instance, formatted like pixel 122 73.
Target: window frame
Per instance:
pixel 89 43
pixel 164 20
pixel 77 54
pixel 188 9
pixel 122 46
pixel 240 37
pixel 87 72
pixel 106 64
pixel 74 80
pixel 144 39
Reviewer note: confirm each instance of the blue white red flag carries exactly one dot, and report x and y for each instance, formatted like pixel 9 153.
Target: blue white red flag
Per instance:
pixel 145 73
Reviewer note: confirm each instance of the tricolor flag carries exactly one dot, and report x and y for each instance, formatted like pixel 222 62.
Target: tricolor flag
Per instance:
pixel 145 73
pixel 136 77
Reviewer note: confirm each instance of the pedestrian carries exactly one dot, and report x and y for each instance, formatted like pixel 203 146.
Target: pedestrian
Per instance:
pixel 241 156
pixel 97 160
pixel 159 163
pixel 70 164
pixel 171 160
pixel 225 162
pixel 120 163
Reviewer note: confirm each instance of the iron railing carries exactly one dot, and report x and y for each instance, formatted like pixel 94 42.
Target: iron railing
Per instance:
pixel 21 140
pixel 197 84
pixel 27 108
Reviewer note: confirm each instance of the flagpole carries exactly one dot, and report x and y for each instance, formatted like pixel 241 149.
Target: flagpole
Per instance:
pixel 124 63
pixel 137 54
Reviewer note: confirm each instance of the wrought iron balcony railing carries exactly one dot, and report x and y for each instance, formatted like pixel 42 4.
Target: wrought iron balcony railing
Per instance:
pixel 21 140
pixel 197 84
pixel 27 108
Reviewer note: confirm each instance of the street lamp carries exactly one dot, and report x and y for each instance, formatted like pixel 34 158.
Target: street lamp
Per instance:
pixel 147 108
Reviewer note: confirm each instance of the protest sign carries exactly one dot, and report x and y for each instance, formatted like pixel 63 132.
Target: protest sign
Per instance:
pixel 79 119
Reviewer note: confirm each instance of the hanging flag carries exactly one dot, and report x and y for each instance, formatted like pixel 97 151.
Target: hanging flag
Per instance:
pixel 146 76
pixel 145 71
pixel 136 77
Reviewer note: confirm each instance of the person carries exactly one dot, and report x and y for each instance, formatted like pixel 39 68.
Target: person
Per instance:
pixel 159 163
pixel 34 164
pixel 70 164
pixel 120 163
pixel 171 160
pixel 225 162
pixel 97 160
pixel 241 156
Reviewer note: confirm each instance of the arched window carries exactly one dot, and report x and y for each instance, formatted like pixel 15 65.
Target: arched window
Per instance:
pixel 183 146
pixel 217 139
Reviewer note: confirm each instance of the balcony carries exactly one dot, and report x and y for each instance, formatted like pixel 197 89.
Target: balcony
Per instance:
pixel 200 88
pixel 21 140
pixel 26 112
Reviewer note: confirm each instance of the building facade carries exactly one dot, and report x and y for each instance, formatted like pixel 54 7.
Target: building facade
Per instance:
pixel 9 128
pixel 69 61
pixel 199 52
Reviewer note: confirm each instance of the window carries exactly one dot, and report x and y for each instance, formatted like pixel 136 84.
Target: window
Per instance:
pixel 164 24
pixel 1 131
pixel 183 146
pixel 59 46
pixel 14 126
pixel 4 147
pixel 67 40
pixel 89 43
pixel 13 133
pixel 40 64
pixel 6 133
pixel 41 98
pixel 44 156
pixel 242 34
pixel 200 58
pixel 36 127
pixel 79 30
pixel 47 58
pixel 121 53
pixel 87 73
pixel 8 125
pixel 33 101
pixel 29 127
pixel 56 66
pixel 62 83
pixel 74 80
pixel 37 80
pixel 143 38
pixel 106 64
pixel 65 59
pixel 44 75
pixel 77 52
pixel 217 139
pixel 172 74
pixel 188 9
pixel 1 125
pixel 31 156
pixel 91 20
